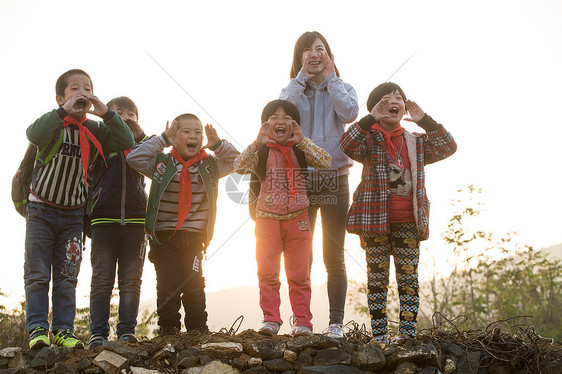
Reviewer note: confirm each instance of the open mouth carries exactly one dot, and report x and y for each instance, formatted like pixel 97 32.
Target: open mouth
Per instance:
pixel 191 147
pixel 80 104
pixel 314 63
pixel 279 130
pixel 393 110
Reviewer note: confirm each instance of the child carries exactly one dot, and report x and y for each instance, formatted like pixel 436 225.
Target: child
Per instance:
pixel 279 158
pixel 117 230
pixel 54 215
pixel 181 212
pixel 325 105
pixel 390 209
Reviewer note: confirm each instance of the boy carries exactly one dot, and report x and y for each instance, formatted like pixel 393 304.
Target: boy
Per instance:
pixel 278 161
pixel 117 230
pixel 55 212
pixel 180 216
pixel 390 209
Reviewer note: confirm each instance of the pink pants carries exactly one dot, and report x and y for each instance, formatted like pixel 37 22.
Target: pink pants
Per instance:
pixel 293 239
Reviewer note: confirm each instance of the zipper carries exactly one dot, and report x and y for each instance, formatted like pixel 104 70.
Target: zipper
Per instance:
pixel 123 186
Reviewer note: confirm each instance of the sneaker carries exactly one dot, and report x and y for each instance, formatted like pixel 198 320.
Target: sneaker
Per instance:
pixel 65 338
pixel 39 338
pixel 298 330
pixel 335 331
pixel 128 338
pixel 381 339
pixel 269 328
pixel 400 339
pixel 96 341
pixel 301 331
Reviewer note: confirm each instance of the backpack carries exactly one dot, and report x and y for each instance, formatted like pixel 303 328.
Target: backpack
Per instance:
pixel 26 175
pixel 259 175
pixel 24 180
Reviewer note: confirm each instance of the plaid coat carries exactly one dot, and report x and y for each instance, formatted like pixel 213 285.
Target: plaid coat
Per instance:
pixel 369 211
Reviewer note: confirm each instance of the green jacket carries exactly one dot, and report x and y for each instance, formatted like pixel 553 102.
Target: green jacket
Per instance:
pixel 164 171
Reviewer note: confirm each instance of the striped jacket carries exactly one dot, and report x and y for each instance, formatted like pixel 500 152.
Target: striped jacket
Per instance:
pixel 369 211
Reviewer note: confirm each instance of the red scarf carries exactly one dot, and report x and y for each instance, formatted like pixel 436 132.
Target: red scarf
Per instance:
pixel 388 136
pixel 185 184
pixel 85 135
pixel 287 162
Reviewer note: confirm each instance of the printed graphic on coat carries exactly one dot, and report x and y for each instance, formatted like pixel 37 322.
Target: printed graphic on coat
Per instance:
pixel 400 181
pixel 73 251
pixel 161 168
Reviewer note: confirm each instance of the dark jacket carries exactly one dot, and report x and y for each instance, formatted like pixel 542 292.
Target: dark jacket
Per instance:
pixel 119 196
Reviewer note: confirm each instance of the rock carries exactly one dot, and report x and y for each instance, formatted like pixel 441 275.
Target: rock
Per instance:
pixel 410 354
pixel 434 358
pixel 137 370
pixel 217 367
pixel 497 369
pixel 277 364
pixel 62 368
pixel 95 370
pixel 83 364
pixel 469 363
pixel 110 362
pixel 305 358
pixel 267 349
pixel 257 370
pixel 10 371
pixel 254 361
pixel 429 370
pixel 9 352
pixel 4 362
pixel 335 369
pixel 122 349
pixel 164 352
pixel 299 343
pixel 289 372
pixel 369 357
pixel 47 357
pixel 290 356
pixel 188 358
pixel 450 364
pixel 204 360
pixel 224 349
pixel 328 357
pixel 349 348
pixel 239 363
pixel 452 348
pixel 406 368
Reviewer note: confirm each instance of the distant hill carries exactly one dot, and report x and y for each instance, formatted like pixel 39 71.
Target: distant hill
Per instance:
pixel 555 250
pixel 225 306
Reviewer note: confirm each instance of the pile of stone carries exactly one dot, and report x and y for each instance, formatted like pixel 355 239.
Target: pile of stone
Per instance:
pixel 249 352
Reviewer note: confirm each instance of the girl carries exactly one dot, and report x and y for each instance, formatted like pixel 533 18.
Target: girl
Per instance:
pixel 390 209
pixel 325 104
pixel 278 161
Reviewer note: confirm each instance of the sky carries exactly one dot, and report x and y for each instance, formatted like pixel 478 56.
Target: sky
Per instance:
pixel 489 71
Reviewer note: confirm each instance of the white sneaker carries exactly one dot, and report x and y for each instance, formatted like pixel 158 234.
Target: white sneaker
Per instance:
pixel 269 328
pixel 383 339
pixel 335 330
pixel 301 331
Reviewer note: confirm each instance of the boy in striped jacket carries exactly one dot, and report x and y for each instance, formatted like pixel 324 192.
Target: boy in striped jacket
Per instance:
pixel 55 212
pixel 390 209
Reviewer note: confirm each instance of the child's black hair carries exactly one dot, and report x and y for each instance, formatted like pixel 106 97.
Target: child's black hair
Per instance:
pixel 186 116
pixel 62 81
pixel 383 89
pixel 287 106
pixel 125 103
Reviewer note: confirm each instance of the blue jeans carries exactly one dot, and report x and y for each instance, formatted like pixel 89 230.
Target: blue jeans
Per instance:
pixel 53 246
pixel 120 248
